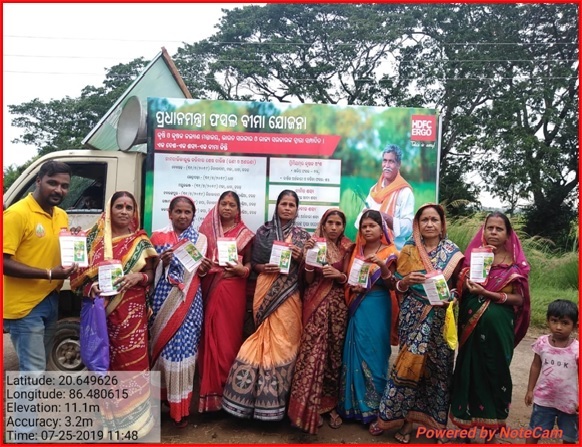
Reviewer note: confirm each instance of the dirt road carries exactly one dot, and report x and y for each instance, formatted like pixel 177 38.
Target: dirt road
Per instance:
pixel 224 429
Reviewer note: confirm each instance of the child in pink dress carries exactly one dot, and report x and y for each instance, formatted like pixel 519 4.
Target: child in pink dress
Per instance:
pixel 553 376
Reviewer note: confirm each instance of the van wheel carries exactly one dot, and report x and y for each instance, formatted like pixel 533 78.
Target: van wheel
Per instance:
pixel 66 352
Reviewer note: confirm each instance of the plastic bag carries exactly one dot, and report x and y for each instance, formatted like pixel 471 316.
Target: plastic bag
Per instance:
pixel 450 328
pixel 94 338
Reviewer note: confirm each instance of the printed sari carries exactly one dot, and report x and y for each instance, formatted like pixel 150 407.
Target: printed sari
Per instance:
pixel 418 389
pixel 260 378
pixel 367 350
pixel 224 313
pixel 126 321
pixel 488 334
pixel 176 322
pixel 315 386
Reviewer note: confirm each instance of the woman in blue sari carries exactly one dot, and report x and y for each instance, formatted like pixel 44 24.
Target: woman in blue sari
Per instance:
pixel 367 345
pixel 177 310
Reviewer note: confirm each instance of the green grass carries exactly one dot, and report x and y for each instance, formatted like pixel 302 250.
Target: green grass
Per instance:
pixel 552 276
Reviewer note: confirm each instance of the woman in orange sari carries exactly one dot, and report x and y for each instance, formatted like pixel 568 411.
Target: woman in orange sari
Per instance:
pixel 315 386
pixel 260 378
pixel 368 337
pixel 116 236
pixel 224 297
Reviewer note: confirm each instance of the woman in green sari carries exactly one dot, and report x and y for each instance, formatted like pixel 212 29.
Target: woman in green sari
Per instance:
pixel 493 318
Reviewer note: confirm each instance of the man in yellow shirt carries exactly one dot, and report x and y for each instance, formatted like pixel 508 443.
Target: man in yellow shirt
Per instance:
pixel 33 273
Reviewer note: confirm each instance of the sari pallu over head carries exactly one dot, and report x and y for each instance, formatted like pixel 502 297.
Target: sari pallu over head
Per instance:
pixel 211 227
pixel 335 255
pixel 500 276
pixel 132 250
pixel 389 254
pixel 414 256
pixel 409 366
pixel 179 292
pixel 284 285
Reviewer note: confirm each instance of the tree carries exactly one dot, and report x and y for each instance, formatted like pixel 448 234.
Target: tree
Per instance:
pixel 63 123
pixel 503 77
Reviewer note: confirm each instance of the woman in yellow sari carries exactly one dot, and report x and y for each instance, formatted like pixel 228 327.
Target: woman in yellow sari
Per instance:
pixel 260 378
pixel 116 236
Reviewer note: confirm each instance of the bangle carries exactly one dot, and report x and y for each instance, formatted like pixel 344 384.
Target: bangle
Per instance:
pixel 49 274
pixel 388 276
pixel 309 270
pixel 247 272
pixel 202 275
pixel 503 298
pixel 145 279
pixel 398 287
pixel 344 280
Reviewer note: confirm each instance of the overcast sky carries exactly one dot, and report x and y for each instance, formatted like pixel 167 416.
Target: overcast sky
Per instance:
pixel 54 50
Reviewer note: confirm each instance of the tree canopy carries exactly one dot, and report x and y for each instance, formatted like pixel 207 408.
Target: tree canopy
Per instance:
pixel 504 78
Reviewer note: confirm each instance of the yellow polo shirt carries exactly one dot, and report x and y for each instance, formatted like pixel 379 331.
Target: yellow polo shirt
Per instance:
pixel 31 236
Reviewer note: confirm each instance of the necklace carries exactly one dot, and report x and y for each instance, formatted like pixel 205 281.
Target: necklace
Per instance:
pixel 378 249
pixel 226 230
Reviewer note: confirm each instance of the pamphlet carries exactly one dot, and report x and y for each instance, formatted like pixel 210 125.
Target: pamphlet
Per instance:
pixel 359 272
pixel 109 272
pixel 227 251
pixel 281 256
pixel 187 253
pixel 317 256
pixel 73 248
pixel 436 287
pixel 481 262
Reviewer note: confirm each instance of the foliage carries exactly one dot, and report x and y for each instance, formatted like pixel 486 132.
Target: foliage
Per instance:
pixel 63 123
pixel 552 276
pixel 504 78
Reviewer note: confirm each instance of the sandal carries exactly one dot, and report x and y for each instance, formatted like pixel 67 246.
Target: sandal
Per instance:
pixel 374 429
pixel 182 423
pixel 403 437
pixel 335 420
pixel 320 421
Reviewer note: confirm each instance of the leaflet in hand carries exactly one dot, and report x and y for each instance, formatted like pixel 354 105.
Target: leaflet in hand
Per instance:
pixel 187 253
pixel 227 251
pixel 436 287
pixel 481 262
pixel 281 256
pixel 317 256
pixel 109 272
pixel 73 248
pixel 359 272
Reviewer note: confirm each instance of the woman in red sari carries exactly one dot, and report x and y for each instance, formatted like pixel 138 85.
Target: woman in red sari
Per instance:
pixel 224 297
pixel 116 235
pixel 315 386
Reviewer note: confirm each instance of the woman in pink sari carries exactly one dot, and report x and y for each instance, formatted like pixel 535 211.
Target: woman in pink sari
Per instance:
pixel 224 297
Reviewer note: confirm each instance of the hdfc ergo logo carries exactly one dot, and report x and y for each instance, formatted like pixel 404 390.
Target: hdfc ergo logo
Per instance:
pixel 423 128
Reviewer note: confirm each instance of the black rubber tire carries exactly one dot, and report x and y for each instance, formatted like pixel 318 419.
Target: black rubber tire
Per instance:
pixel 66 352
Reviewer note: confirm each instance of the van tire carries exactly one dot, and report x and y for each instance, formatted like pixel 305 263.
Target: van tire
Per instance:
pixel 66 352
